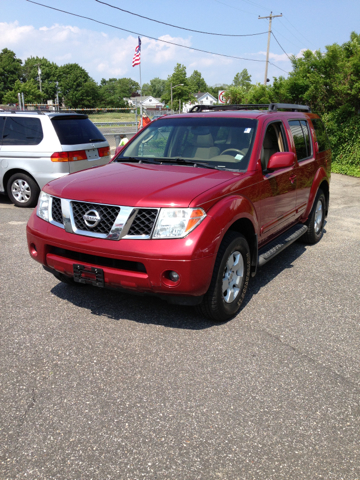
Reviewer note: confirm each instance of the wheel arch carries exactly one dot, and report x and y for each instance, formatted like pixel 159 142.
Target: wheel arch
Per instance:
pixel 321 180
pixel 12 172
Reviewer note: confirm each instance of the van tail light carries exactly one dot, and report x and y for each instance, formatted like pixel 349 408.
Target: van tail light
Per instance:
pixel 104 151
pixel 69 156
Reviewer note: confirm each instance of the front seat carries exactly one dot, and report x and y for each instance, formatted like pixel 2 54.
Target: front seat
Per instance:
pixel 202 148
pixel 270 146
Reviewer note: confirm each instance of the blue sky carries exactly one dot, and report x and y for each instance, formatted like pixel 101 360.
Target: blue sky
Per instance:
pixel 105 52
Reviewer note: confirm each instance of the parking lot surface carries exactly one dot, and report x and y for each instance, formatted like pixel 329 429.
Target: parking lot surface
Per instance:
pixel 102 385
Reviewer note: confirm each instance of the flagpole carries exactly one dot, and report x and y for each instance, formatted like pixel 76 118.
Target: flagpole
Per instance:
pixel 140 97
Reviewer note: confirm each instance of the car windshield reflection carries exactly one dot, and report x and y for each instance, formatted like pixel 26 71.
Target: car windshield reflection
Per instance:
pixel 213 142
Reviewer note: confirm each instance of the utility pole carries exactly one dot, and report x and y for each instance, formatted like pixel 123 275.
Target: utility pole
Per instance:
pixel 268 44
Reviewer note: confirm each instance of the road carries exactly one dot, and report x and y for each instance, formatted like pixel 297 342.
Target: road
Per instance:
pixel 101 385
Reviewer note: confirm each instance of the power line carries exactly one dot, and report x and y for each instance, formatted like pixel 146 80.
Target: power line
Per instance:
pixel 153 38
pixel 279 33
pixel 280 45
pixel 297 30
pixel 236 8
pixel 176 26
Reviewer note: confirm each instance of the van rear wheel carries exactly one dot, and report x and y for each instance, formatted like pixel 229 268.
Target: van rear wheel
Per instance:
pixel 22 190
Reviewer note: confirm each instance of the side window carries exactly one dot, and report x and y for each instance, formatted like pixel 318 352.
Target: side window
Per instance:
pixel 301 136
pixel 22 131
pixel 2 123
pixel 321 136
pixel 274 141
pixel 305 129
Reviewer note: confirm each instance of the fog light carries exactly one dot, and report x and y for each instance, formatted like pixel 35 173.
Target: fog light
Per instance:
pixel 173 276
pixel 33 250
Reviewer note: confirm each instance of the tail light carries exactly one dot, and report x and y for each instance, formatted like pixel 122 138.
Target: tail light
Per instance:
pixel 104 151
pixel 69 156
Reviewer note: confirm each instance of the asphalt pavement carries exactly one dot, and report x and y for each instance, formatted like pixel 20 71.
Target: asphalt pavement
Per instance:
pixel 103 385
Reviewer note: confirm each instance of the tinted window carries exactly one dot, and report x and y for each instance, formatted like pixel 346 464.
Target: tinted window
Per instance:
pixel 72 130
pixel 299 139
pixel 2 123
pixel 22 131
pixel 321 136
pixel 305 129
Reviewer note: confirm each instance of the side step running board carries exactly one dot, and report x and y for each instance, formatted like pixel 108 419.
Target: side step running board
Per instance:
pixel 279 244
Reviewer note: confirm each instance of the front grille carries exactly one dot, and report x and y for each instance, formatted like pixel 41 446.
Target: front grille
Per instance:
pixel 97 260
pixel 143 222
pixel 107 214
pixel 56 210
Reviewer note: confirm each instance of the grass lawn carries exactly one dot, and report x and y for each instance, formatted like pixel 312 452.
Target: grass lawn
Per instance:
pixel 112 117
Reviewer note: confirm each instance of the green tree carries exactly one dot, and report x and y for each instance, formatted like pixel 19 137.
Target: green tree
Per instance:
pixel 181 92
pixel 197 83
pixel 10 71
pixel 77 88
pixel 113 91
pixel 242 79
pixel 49 75
pixel 30 90
pixel 155 88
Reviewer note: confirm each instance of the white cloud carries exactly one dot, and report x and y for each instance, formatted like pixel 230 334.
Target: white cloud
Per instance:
pixel 105 55
pixel 276 57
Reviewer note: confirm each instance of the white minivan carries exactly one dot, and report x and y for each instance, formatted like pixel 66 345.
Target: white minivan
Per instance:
pixel 37 147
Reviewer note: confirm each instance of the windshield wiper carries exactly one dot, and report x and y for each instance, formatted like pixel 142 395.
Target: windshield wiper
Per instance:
pixel 96 139
pixel 137 160
pixel 188 162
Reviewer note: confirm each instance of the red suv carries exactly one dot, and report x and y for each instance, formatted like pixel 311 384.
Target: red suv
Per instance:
pixel 191 207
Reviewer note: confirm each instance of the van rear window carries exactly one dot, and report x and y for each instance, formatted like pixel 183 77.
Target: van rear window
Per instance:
pixel 73 131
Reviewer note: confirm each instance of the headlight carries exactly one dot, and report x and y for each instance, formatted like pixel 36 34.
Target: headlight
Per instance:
pixel 43 206
pixel 177 222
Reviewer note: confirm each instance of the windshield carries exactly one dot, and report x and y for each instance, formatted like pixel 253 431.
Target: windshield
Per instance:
pixel 213 142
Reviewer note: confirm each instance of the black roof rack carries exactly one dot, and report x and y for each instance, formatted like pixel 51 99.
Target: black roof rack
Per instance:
pixel 271 107
pixel 26 112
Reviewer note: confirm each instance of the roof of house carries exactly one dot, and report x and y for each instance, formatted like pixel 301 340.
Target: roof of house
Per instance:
pixel 143 99
pixel 202 94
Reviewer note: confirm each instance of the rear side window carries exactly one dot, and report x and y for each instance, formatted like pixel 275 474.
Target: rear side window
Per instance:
pixel 21 131
pixel 72 130
pixel 321 136
pixel 300 133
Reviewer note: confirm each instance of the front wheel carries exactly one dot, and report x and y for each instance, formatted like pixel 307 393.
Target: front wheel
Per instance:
pixel 229 280
pixel 23 191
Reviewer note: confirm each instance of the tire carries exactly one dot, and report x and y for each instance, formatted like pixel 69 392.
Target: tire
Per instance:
pixel 316 220
pixel 232 261
pixel 23 191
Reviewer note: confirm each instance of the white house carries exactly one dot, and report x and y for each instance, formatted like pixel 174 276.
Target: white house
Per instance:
pixel 146 102
pixel 201 99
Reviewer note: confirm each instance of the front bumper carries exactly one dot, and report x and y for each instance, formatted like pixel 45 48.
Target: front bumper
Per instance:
pixel 141 266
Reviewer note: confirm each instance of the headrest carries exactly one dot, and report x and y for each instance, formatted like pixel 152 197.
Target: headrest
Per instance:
pixel 204 141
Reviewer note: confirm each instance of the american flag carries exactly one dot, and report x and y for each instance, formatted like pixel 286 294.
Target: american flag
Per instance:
pixel 136 57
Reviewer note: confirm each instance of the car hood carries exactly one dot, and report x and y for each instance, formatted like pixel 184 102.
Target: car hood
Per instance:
pixel 138 185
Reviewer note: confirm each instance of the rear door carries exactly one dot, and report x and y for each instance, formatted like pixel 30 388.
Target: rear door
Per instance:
pixel 85 143
pixel 305 171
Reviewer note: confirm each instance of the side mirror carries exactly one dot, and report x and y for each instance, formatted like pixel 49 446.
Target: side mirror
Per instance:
pixel 316 147
pixel 281 160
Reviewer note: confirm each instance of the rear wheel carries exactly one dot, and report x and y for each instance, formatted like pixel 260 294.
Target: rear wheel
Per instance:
pixel 22 190
pixel 316 220
pixel 229 280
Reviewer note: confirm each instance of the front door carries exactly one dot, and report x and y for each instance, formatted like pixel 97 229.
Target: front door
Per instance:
pixel 278 203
